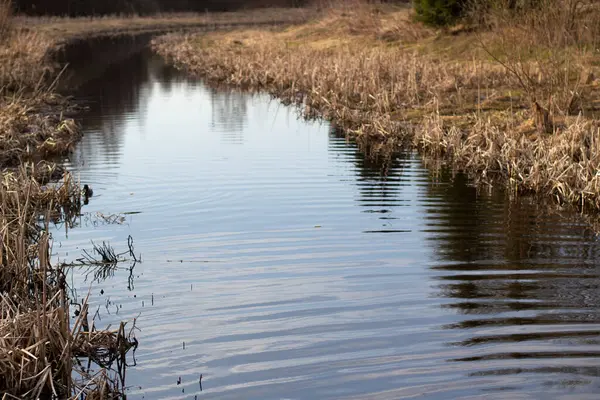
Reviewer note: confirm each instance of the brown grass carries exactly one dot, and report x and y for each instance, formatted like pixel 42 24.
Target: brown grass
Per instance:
pixel 61 29
pixel 38 345
pixel 24 63
pixel 37 341
pixel 33 129
pixel 458 96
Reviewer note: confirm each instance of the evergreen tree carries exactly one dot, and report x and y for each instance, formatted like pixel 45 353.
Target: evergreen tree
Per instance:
pixel 439 12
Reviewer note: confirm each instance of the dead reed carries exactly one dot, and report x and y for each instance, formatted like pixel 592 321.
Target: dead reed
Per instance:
pixel 37 342
pixel 455 96
pixel 39 348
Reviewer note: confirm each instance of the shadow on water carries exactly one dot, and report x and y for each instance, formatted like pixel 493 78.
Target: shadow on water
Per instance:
pixel 90 59
pixel 113 78
pixel 289 265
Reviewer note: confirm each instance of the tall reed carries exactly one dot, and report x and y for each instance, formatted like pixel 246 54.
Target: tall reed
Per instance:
pixel 38 344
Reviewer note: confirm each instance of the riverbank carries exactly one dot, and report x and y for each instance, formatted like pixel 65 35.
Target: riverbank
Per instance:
pixel 40 340
pixel 65 30
pixel 487 102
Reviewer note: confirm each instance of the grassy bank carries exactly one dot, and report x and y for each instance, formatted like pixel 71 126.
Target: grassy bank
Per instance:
pixel 512 101
pixel 67 29
pixel 38 341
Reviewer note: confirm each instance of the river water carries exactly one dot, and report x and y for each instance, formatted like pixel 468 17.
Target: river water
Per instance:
pixel 280 264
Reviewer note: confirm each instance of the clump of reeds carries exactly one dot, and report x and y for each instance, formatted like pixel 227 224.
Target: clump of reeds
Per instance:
pixel 37 343
pixel 30 343
pixel 34 316
pixel 38 346
pixel 563 165
pixel 33 128
pixel 37 349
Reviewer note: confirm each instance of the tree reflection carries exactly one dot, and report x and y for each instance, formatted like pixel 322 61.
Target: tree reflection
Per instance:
pixel 380 180
pixel 523 281
pixel 513 264
pixel 115 81
pixel 229 114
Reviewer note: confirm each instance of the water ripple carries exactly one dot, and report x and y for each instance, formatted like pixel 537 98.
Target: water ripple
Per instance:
pixel 278 262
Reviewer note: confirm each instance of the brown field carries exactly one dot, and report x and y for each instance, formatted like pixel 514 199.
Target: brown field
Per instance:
pixel 61 29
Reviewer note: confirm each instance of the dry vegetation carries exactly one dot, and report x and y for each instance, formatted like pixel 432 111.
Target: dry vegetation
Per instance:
pixel 39 345
pixel 62 29
pixel 513 98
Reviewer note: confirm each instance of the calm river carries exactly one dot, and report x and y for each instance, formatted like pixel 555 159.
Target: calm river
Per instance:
pixel 280 264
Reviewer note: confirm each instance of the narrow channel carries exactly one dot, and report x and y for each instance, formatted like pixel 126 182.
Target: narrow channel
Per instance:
pixel 278 262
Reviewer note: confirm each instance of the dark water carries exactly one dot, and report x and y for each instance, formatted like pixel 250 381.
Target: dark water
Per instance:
pixel 280 264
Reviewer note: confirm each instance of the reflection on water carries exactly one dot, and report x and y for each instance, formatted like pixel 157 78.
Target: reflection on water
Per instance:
pixel 526 284
pixel 279 263
pixel 228 114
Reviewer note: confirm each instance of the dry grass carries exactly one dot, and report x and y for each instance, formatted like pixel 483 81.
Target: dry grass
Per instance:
pixel 37 349
pixel 33 128
pixel 32 122
pixel 24 63
pixel 38 345
pixel 37 342
pixel 65 29
pixel 458 96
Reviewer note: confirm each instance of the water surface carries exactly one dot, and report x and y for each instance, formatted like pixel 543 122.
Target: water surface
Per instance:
pixel 280 264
